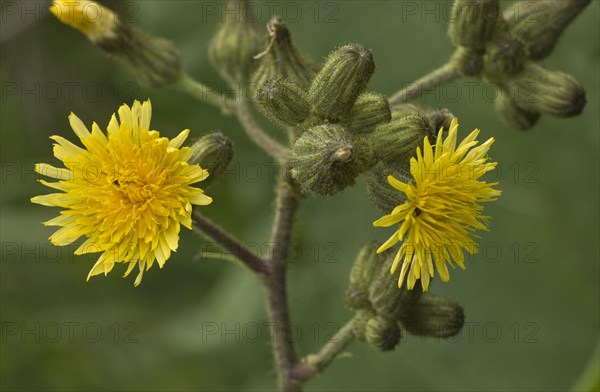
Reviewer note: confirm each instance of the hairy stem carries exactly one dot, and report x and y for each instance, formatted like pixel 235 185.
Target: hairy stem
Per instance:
pixel 275 285
pixel 435 78
pixel 257 134
pixel 229 243
pixel 316 363
pixel 204 93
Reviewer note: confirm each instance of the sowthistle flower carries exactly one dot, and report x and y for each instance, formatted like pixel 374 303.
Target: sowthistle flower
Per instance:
pixel 127 192
pixel 442 207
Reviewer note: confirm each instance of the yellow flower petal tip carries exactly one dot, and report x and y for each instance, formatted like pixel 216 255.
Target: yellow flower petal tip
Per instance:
pixel 442 207
pixel 91 18
pixel 127 192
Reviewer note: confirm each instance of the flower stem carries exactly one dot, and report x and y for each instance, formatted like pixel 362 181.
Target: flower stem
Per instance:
pixel 442 75
pixel 257 134
pixel 316 363
pixel 284 350
pixel 237 249
pixel 204 93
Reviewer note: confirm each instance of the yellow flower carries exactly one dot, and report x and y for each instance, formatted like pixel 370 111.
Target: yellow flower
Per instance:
pixel 89 17
pixel 127 193
pixel 442 207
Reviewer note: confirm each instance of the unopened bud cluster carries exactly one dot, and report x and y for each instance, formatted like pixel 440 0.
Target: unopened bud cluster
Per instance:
pixel 383 310
pixel 503 48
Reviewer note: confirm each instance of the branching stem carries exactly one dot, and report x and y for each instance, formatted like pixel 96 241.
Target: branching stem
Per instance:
pixel 428 82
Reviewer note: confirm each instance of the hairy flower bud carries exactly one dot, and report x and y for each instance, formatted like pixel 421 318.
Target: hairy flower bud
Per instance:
pixel 368 111
pixel 340 81
pixel 155 61
pixel 365 266
pixel 386 298
pixel 382 334
pixel 326 159
pixel 212 152
pixel 472 22
pixel 283 101
pixel 513 115
pixel 233 47
pixel 281 59
pixel 538 89
pixel 435 316
pixel 438 118
pixel 397 141
pixel 505 57
pixel 382 195
pixel 468 62
pixel 540 24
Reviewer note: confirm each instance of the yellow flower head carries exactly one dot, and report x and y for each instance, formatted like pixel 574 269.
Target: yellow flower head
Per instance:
pixel 442 207
pixel 127 191
pixel 89 17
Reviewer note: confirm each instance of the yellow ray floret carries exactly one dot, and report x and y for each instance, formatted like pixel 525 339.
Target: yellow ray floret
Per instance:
pixel 442 208
pixel 127 191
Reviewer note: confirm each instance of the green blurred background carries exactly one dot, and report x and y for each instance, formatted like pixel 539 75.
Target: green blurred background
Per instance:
pixel 531 297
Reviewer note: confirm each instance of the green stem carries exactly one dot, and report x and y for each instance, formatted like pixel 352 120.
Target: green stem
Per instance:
pixel 230 244
pixel 316 363
pixel 204 93
pixel 257 134
pixel 433 79
pixel 284 350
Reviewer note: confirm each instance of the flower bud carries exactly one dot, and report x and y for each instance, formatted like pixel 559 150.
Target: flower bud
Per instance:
pixel 505 57
pixel 361 319
pixel 326 159
pixel 538 89
pixel 397 141
pixel 472 22
pixel 467 61
pixel 340 81
pixel 513 115
pixel 212 152
pixel 365 266
pixel 386 298
pixel 283 101
pixel 155 61
pixel 438 118
pixel 382 333
pixel 540 24
pixel 382 195
pixel 368 111
pixel 435 316
pixel 281 59
pixel 233 47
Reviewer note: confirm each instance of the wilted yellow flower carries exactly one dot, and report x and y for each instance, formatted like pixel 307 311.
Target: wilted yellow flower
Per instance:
pixel 127 191
pixel 89 17
pixel 442 207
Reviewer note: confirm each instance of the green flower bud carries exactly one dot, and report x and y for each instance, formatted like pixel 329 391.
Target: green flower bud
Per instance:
pixel 235 43
pixel 283 101
pixel 381 193
pixel 434 316
pixel 513 115
pixel 338 84
pixel 472 22
pixel 281 59
pixel 397 141
pixel 155 61
pixel 438 118
pixel 361 319
pixel 505 57
pixel 212 152
pixel 469 62
pixel 365 266
pixel 382 333
pixel 386 298
pixel 542 90
pixel 326 159
pixel 540 24
pixel 368 111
